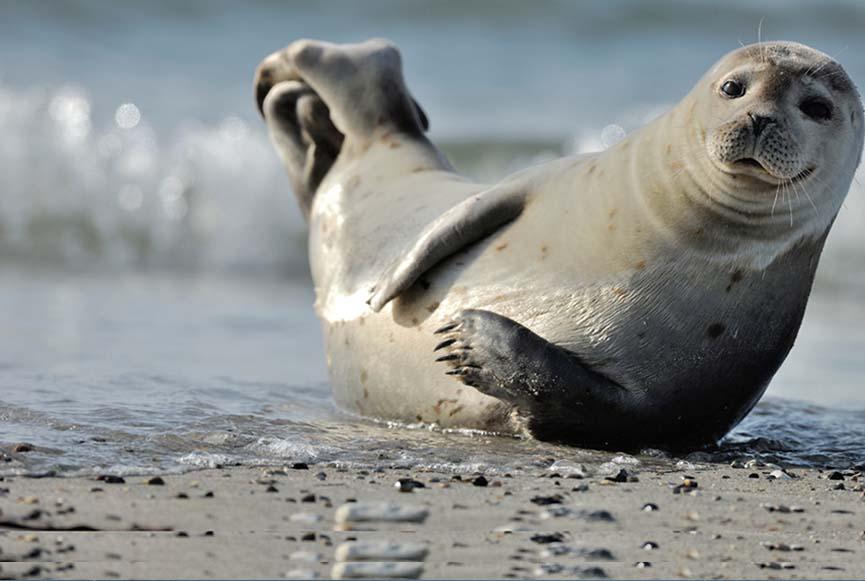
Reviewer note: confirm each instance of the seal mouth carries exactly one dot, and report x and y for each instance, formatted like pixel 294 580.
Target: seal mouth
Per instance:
pixel 753 167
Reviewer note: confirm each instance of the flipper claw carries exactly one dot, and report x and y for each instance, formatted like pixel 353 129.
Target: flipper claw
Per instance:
pixel 445 343
pixel 449 327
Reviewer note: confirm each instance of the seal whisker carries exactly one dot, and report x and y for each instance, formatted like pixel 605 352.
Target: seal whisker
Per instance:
pixel 832 59
pixel 807 196
pixel 760 44
pixel 775 201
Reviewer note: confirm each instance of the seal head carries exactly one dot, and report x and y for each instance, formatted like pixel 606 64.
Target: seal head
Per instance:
pixel 783 116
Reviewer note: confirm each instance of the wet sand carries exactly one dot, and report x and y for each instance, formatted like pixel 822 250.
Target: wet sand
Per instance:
pixel 710 522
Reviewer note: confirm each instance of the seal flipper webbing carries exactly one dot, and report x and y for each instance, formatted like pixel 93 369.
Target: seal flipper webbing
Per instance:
pixel 561 397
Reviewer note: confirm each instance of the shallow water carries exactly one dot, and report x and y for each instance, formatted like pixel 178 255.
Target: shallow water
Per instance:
pixel 151 373
pixel 154 308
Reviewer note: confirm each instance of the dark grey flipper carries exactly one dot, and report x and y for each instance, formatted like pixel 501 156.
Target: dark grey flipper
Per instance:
pixel 562 399
pixel 459 227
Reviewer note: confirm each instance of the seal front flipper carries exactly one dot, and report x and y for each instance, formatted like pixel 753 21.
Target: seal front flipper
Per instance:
pixel 466 223
pixel 561 398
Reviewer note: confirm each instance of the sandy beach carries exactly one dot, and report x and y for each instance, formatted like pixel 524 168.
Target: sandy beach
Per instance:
pixel 705 522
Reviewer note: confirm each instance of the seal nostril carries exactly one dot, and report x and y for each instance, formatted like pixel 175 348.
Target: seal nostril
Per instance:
pixel 759 123
pixel 262 88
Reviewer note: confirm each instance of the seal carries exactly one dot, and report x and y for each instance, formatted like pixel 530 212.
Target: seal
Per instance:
pixel 640 296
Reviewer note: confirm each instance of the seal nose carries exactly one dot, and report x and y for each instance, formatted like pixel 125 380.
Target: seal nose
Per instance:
pixel 759 123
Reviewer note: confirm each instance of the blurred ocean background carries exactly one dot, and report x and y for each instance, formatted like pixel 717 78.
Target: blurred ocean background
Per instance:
pixel 155 307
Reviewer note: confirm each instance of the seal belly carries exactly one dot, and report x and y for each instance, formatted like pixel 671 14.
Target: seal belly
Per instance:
pixel 382 364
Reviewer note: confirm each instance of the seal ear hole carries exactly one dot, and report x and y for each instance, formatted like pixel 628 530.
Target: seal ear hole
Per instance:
pixel 732 89
pixel 816 108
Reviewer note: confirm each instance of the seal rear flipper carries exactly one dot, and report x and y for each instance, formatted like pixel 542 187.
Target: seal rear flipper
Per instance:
pixel 562 399
pixel 464 224
pixel 313 95
pixel 306 139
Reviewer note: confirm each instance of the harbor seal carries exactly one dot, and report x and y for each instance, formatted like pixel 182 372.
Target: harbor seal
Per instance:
pixel 640 296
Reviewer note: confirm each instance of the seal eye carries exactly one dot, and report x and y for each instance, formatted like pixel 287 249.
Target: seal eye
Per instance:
pixel 816 109
pixel 733 89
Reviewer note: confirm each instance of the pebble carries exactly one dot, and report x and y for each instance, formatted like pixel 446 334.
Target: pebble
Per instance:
pixel 22 447
pixel 569 469
pixel 689 484
pixel 620 476
pixel 835 475
pixel 480 481
pixel 543 538
pixel 305 556
pixel 557 550
pixel 305 518
pixel 581 487
pixel 29 500
pixel 548 569
pixel 642 565
pixel 650 507
pixel 307 498
pixel 547 500
pixel 508 529
pixel 156 481
pixel 302 574
pixel 111 479
pixel 782 508
pixel 321 476
pixel 589 573
pixel 373 570
pixel 839 486
pixel 776 565
pixel 379 512
pixel 588 515
pixel 408 485
pixel 381 551
pixel 779 475
pixel 751 464
pixel 299 466
pixel 649 546
pixel 271 488
pixel 782 547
